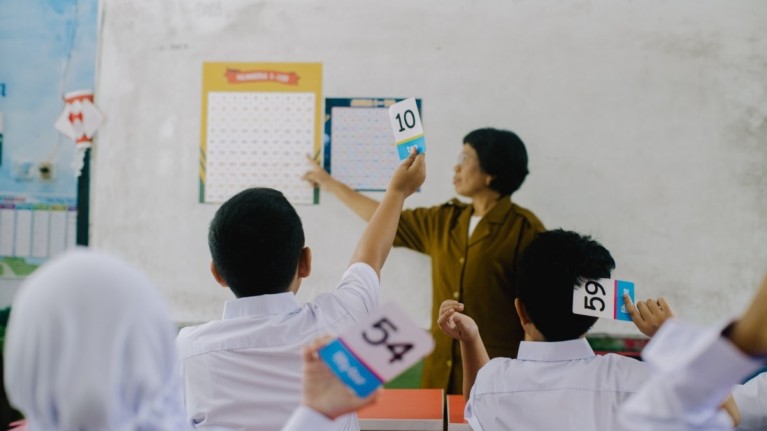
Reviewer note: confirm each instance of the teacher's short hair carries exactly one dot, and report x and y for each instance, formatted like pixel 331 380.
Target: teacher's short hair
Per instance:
pixel 503 155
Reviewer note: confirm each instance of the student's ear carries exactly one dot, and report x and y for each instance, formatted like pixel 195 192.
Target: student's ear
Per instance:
pixel 305 263
pixel 524 318
pixel 219 279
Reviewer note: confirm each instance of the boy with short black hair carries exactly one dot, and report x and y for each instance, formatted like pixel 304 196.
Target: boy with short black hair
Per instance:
pixel 244 372
pixel 556 382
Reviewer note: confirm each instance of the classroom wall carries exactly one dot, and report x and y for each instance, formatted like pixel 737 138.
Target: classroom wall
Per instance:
pixel 645 123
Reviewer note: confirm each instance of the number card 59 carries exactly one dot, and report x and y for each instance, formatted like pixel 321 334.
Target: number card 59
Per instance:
pixel 603 298
pixel 376 351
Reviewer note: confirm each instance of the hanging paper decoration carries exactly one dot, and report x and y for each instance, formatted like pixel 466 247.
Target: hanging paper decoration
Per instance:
pixel 79 122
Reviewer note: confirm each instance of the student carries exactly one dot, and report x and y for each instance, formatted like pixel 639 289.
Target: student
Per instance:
pixel 90 347
pixel 556 382
pixel 244 372
pixel 696 368
pixel 680 399
pixel 474 247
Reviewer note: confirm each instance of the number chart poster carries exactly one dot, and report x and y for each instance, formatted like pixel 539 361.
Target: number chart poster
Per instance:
pixel 359 148
pixel 259 122
pixel 47 49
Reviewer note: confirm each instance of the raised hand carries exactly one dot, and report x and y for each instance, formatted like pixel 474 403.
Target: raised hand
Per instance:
pixel 322 391
pixel 455 324
pixel 409 175
pixel 648 315
pixel 316 175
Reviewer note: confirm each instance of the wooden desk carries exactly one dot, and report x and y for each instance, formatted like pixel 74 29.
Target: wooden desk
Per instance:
pixel 404 410
pixel 456 405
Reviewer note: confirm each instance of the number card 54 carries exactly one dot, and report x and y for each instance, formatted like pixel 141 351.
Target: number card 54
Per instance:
pixel 603 298
pixel 376 351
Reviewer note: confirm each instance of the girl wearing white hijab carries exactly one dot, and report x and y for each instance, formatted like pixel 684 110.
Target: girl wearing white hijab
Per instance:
pixel 90 347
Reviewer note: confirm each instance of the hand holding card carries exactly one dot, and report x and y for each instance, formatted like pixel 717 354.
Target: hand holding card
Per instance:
pixel 603 298
pixel 376 351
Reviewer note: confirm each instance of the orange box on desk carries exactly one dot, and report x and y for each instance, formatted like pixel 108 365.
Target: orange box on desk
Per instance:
pixel 404 409
pixel 456 405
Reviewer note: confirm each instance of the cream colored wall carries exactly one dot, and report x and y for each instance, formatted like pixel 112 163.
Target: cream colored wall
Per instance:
pixel 644 121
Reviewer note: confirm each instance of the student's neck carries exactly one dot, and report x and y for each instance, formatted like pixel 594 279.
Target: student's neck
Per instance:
pixel 484 202
pixel 534 337
pixel 539 337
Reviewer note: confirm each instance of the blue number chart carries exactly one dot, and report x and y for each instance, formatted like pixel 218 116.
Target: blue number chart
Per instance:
pixel 359 143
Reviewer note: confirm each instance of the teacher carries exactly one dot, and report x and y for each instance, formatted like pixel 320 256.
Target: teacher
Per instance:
pixel 474 247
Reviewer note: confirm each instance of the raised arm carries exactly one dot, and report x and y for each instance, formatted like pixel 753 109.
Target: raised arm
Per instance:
pixel 749 334
pixel 359 203
pixel 378 237
pixel 463 328
pixel 691 382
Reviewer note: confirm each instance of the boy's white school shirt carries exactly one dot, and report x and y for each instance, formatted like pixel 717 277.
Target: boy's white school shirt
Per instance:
pixel 694 370
pixel 751 399
pixel 553 386
pixel 244 372
pixel 307 419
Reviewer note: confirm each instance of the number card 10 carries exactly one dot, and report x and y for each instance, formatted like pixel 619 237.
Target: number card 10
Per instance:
pixel 603 298
pixel 376 351
pixel 406 124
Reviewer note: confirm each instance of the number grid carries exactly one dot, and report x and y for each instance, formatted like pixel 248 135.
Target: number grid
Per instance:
pixel 259 139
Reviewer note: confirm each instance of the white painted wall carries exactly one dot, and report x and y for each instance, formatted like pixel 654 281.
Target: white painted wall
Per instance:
pixel 645 122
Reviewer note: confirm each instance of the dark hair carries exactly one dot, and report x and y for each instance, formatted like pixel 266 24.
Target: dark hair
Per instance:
pixel 255 239
pixel 550 268
pixel 501 154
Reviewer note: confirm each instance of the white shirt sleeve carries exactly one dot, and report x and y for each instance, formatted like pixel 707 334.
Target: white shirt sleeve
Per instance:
pixel 489 370
pixel 469 415
pixel 695 370
pixel 357 295
pixel 751 399
pixel 306 419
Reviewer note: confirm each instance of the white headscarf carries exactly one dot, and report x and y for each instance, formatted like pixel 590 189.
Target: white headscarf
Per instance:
pixel 90 347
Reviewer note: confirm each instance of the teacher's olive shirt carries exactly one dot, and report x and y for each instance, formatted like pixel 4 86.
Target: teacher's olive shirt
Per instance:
pixel 479 271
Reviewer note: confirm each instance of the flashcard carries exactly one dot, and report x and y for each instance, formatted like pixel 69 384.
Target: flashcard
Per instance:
pixel 376 351
pixel 406 124
pixel 603 298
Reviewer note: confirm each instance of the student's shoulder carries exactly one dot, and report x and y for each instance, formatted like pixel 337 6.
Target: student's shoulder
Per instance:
pixel 495 373
pixel 497 366
pixel 359 273
pixel 631 368
pixel 624 360
pixel 359 282
pixel 190 335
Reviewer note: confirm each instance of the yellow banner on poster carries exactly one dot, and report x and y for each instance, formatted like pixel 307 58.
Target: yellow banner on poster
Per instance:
pixel 258 122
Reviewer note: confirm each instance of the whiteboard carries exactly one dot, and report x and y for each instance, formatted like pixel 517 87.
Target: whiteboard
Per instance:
pixel 645 124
